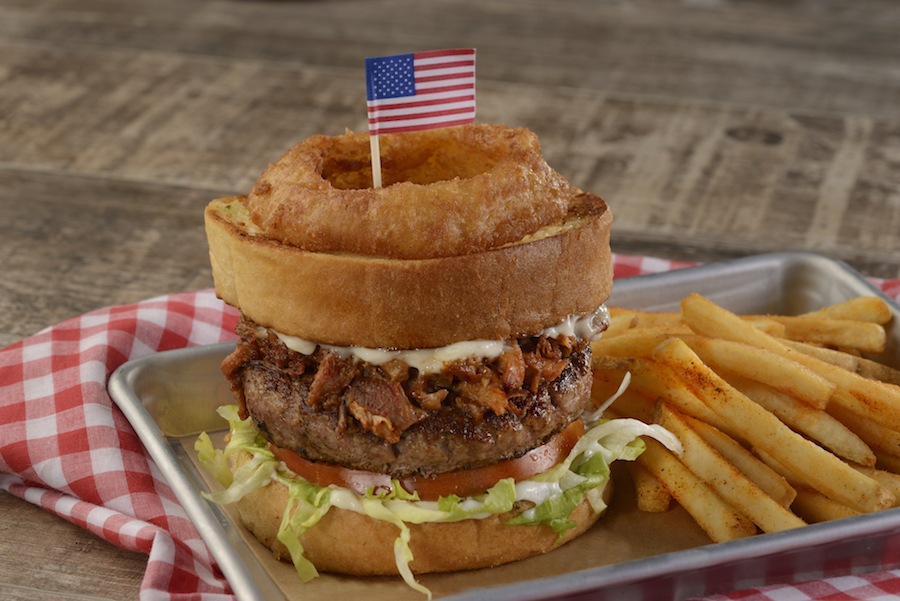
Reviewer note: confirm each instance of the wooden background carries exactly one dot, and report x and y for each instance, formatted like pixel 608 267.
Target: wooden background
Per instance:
pixel 714 129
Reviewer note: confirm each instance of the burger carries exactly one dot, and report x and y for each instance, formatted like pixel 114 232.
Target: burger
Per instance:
pixel 413 377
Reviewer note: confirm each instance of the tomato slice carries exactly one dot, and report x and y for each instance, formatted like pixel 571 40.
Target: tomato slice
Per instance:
pixel 463 482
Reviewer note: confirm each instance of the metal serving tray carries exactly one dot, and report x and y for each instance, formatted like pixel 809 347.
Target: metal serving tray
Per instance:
pixel 169 397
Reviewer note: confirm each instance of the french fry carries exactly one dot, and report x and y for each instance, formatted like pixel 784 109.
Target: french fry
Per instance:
pixel 624 320
pixel 815 507
pixel 646 319
pixel 612 364
pixel 766 324
pixel 876 404
pixel 839 358
pixel 630 402
pixel 650 493
pixel 630 343
pixel 887 461
pixel 633 318
pixel 729 483
pixel 752 361
pixel 762 365
pixel 889 480
pixel 764 476
pixel 862 308
pixel 876 400
pixel 877 371
pixel 789 476
pixel 718 519
pixel 874 434
pixel 863 336
pixel 810 504
pixel 609 372
pixel 634 404
pixel 619 321
pixel 822 470
pixel 657 381
pixel 814 423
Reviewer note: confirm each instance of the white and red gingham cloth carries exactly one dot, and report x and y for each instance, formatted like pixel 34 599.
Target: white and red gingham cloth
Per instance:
pixel 65 446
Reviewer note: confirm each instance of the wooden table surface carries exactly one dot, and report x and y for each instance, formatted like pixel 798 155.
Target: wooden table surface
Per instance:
pixel 714 129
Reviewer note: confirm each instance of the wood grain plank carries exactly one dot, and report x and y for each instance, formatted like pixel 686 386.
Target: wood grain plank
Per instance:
pixel 816 56
pixel 79 244
pixel 749 179
pixel 155 117
pixel 75 566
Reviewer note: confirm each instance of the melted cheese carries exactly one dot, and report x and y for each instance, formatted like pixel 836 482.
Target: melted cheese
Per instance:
pixel 433 360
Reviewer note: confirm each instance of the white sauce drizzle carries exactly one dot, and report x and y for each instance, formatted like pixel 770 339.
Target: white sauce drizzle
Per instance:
pixel 433 360
pixel 536 492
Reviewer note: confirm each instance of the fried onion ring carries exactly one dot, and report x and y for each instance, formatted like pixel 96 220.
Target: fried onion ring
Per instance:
pixel 448 192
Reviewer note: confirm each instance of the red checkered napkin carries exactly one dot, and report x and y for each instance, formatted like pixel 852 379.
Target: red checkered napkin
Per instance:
pixel 66 447
pixel 874 586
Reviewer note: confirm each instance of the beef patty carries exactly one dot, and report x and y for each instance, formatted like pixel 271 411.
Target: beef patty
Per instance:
pixel 392 419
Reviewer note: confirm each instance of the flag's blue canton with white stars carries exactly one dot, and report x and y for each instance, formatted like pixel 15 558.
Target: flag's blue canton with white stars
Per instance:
pixel 390 77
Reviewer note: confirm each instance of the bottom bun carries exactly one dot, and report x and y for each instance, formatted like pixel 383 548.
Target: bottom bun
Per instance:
pixel 347 542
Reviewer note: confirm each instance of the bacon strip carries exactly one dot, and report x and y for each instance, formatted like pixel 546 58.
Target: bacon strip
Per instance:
pixel 382 407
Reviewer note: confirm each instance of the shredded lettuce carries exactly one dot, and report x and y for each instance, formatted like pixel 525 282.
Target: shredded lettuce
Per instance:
pixel 585 469
pixel 556 493
pixel 255 474
pixel 402 553
pixel 213 460
pixel 307 503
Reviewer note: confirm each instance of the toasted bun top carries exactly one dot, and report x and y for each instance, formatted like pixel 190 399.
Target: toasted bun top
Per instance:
pixel 350 299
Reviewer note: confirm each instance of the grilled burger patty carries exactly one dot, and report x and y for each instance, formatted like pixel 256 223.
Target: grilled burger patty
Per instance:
pixel 392 419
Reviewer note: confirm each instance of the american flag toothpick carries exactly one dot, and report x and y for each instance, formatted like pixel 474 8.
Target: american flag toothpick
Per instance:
pixel 416 91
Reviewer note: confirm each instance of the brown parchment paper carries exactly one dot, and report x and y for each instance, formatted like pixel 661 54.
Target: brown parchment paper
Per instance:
pixel 623 534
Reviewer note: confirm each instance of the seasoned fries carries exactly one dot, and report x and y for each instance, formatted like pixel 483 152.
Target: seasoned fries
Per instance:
pixel 876 400
pixel 658 381
pixel 889 480
pixel 652 496
pixel 732 485
pixel 822 470
pixel 762 365
pixel 815 507
pixel 783 422
pixel 862 336
pixel 863 308
pixel 749 464
pixel 814 423
pixel 877 371
pixel 847 361
pixel 718 519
